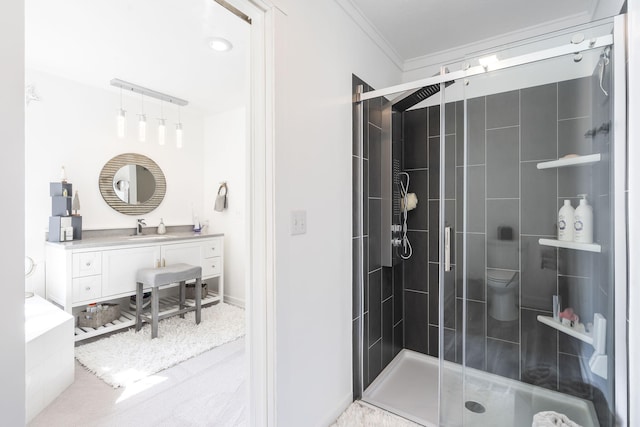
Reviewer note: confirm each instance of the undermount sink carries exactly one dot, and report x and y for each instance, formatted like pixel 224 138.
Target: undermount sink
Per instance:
pixel 143 237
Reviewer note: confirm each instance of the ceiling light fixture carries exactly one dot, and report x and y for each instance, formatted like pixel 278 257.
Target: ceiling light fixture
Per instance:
pixel 142 122
pixel 162 129
pixel 179 131
pixel 120 118
pixel 220 44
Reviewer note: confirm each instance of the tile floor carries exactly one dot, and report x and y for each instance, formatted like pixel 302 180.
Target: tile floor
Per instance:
pixel 207 390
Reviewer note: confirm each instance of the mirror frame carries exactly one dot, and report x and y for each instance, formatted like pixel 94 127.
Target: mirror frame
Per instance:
pixel 105 182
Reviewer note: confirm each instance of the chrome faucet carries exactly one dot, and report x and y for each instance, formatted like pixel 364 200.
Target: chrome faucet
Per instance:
pixel 139 227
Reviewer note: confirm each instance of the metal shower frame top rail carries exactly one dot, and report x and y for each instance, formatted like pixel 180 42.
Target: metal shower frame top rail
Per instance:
pixel 594 43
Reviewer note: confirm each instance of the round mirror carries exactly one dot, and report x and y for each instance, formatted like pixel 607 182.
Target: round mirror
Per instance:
pixel 132 184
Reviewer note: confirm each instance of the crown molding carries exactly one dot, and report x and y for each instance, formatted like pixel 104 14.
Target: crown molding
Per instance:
pixel 449 55
pixel 369 29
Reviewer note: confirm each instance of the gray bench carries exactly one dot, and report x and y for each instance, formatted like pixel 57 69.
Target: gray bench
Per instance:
pixel 154 278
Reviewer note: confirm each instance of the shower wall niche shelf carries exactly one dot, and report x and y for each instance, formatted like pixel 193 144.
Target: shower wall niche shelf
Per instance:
pixel 570 161
pixel 549 321
pixel 597 338
pixel 589 247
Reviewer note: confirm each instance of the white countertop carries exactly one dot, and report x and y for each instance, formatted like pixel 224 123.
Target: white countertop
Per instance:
pixel 144 239
pixel 41 316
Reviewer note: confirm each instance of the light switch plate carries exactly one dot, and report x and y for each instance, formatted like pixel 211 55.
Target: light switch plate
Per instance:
pixel 298 222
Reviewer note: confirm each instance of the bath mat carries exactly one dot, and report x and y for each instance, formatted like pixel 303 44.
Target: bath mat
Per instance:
pixel 124 358
pixel 360 414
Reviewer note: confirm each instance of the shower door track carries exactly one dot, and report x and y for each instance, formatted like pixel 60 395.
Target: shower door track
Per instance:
pixel 528 58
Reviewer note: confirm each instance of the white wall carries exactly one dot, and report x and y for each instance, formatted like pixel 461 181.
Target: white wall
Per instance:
pixel 74 125
pixel 12 372
pixel 225 160
pixel 317 48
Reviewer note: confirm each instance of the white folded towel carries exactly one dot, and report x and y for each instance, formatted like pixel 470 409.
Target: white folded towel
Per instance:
pixel 552 419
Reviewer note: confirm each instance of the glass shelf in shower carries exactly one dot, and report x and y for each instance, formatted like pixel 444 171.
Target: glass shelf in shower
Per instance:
pixel 582 336
pixel 570 161
pixel 589 247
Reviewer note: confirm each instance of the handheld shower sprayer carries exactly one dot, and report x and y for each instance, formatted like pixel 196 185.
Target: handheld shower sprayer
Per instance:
pixel 406 251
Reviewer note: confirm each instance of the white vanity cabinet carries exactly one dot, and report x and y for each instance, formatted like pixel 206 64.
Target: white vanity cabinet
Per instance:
pixel 83 272
pixel 120 266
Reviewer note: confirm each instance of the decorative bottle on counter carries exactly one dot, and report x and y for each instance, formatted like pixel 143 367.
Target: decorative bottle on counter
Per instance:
pixel 583 222
pixel 161 228
pixel 566 222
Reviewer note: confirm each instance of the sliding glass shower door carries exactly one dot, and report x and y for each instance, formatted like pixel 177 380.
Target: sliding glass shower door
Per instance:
pixel 534 284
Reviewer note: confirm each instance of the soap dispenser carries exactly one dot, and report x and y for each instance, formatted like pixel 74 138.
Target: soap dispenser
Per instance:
pixel 161 228
pixel 583 222
pixel 565 222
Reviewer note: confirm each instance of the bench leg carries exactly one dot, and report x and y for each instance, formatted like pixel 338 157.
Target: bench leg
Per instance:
pixel 138 306
pixel 155 309
pixel 183 293
pixel 198 299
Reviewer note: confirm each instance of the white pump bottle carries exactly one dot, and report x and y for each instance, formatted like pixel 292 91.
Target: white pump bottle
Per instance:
pixel 583 222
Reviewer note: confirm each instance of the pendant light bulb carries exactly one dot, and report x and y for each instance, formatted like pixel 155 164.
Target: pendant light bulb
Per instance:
pixel 121 122
pixel 142 128
pixel 179 135
pixel 161 131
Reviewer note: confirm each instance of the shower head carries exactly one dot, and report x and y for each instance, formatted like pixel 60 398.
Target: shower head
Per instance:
pixel 418 96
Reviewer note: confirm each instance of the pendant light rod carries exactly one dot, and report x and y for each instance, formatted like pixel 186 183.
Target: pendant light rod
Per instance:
pixel 130 87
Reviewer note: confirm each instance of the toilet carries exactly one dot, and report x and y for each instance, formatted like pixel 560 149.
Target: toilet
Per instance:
pixel 502 285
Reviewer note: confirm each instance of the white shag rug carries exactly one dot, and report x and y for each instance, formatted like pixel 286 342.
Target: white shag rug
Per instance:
pixel 124 358
pixel 360 414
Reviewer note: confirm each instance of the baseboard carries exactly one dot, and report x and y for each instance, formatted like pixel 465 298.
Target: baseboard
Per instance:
pixel 333 417
pixel 234 301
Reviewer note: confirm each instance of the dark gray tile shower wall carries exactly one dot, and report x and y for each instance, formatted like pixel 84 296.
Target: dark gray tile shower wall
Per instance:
pixel 382 320
pixel 511 205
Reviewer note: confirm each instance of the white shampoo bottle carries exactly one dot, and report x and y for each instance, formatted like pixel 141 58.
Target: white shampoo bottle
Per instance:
pixel 565 222
pixel 583 222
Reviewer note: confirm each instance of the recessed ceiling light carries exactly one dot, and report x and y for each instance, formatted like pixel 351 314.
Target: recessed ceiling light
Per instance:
pixel 219 44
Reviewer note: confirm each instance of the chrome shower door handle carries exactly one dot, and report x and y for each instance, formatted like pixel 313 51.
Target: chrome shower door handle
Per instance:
pixel 447 249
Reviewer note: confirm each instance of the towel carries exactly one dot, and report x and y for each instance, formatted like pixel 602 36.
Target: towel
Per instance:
pixel 221 199
pixel 552 419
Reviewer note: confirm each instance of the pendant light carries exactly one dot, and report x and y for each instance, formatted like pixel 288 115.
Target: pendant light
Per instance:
pixel 179 131
pixel 142 122
pixel 162 129
pixel 142 117
pixel 120 119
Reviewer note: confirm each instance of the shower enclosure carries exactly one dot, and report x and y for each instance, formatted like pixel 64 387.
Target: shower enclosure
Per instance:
pixel 468 309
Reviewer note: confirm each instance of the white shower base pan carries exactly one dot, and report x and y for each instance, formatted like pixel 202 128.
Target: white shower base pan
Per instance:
pixel 408 387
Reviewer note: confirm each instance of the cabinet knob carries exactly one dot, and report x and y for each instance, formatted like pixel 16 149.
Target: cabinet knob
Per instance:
pixel 88 288
pixel 88 264
pixel 213 248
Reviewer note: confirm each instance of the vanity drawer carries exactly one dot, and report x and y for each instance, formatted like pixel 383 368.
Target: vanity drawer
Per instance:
pixel 212 249
pixel 211 266
pixel 87 288
pixel 87 264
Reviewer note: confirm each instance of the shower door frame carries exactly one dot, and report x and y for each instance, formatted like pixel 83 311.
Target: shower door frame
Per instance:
pixel 617 38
